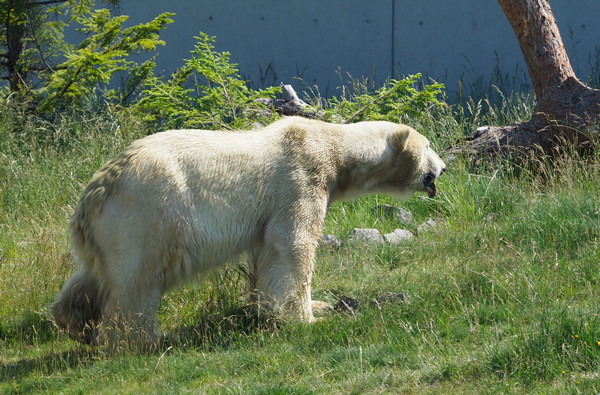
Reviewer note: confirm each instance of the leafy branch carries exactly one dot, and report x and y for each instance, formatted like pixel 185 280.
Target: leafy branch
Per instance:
pixel 206 92
pixel 100 55
pixel 47 73
pixel 395 100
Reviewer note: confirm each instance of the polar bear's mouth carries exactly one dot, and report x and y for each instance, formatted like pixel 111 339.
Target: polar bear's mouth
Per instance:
pixel 430 185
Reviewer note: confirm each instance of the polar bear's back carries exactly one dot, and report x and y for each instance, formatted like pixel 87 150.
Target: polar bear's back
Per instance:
pixel 208 191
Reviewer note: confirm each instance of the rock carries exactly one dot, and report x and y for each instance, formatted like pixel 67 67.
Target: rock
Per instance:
pixel 398 236
pixel 389 297
pixel 329 241
pixel 289 94
pixel 257 111
pixel 426 226
pixel 346 304
pixel 367 235
pixel 399 214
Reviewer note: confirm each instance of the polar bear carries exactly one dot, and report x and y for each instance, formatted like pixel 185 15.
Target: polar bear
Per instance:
pixel 179 203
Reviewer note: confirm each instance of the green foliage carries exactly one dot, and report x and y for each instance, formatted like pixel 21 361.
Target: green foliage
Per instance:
pixel 19 21
pixel 97 58
pixel 206 92
pixel 395 101
pixel 56 75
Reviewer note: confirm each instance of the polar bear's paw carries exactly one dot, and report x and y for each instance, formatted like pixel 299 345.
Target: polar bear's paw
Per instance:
pixel 320 308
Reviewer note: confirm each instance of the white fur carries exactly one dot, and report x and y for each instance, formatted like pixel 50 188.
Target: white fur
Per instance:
pixel 183 202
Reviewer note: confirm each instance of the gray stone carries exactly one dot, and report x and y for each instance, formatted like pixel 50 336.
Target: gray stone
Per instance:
pixel 390 298
pixel 398 236
pixel 426 226
pixel 329 241
pixel 367 235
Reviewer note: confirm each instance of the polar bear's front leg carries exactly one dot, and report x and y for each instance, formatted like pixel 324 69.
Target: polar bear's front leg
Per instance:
pixel 281 276
pixel 281 266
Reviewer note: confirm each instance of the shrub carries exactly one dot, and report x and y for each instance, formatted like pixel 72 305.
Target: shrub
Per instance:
pixel 395 101
pixel 207 92
pixel 56 75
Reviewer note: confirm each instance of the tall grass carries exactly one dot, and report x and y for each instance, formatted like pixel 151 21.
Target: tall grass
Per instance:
pixel 501 296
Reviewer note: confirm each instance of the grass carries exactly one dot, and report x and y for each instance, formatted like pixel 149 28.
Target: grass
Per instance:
pixel 502 296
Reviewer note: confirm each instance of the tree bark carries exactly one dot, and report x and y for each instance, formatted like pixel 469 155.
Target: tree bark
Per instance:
pixel 565 106
pixel 540 42
pixel 15 33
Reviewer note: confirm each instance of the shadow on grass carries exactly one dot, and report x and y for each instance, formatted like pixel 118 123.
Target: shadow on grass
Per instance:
pixel 48 364
pixel 30 329
pixel 216 327
pixel 220 328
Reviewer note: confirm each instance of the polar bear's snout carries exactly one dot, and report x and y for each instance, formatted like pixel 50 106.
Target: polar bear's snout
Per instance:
pixel 429 184
pixel 437 168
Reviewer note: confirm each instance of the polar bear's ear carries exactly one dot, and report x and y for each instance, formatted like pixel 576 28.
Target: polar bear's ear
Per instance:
pixel 400 137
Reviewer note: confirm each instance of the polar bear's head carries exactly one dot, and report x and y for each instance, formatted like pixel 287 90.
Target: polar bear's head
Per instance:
pixel 426 165
pixel 408 164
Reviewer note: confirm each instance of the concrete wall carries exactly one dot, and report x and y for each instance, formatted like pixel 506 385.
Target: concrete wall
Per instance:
pixel 277 40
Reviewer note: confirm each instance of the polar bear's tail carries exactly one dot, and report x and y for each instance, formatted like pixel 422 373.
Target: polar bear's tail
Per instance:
pixel 78 306
pixel 100 188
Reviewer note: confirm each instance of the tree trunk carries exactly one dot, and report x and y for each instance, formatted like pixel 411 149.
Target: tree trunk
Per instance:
pixel 564 104
pixel 15 33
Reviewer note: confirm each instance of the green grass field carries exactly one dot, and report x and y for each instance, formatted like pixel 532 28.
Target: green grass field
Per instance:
pixel 503 296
